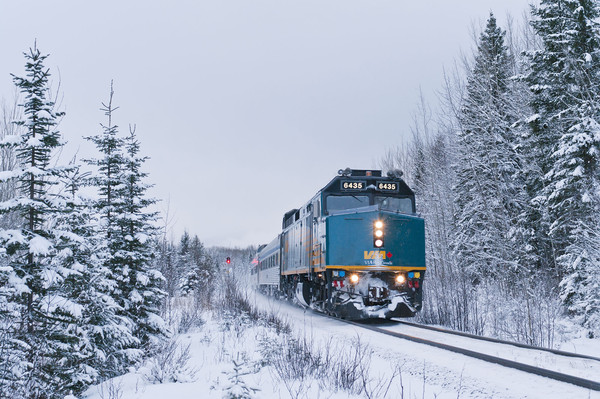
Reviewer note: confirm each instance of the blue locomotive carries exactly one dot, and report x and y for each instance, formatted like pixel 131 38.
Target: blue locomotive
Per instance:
pixel 356 250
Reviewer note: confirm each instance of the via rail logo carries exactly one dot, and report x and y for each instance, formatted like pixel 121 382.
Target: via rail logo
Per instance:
pixel 377 258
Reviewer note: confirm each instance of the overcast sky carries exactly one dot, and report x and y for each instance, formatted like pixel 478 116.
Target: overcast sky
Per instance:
pixel 246 107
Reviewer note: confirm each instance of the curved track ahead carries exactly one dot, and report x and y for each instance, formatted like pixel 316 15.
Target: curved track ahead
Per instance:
pixel 582 382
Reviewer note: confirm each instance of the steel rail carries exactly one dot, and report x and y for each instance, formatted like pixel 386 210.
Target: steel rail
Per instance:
pixel 582 382
pixel 498 341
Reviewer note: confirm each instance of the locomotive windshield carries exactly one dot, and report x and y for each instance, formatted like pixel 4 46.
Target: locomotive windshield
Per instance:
pixel 384 202
pixel 394 204
pixel 341 202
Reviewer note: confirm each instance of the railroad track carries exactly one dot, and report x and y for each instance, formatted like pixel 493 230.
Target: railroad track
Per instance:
pixel 555 375
pixel 498 341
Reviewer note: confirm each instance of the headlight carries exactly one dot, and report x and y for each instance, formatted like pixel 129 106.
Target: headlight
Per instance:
pixel 378 234
pixel 354 278
pixel 400 279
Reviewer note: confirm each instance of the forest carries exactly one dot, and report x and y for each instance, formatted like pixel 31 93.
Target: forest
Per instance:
pixel 506 175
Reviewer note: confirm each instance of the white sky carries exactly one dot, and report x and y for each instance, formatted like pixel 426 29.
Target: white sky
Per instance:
pixel 246 108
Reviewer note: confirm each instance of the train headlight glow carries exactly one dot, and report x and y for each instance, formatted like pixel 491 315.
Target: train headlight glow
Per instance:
pixel 378 234
pixel 400 279
pixel 354 278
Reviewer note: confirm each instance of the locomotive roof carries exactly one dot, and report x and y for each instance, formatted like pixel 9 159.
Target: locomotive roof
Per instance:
pixel 370 176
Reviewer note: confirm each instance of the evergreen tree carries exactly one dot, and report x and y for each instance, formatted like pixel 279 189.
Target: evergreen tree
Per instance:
pixel 109 167
pixel 104 343
pixel 108 180
pixel 186 259
pixel 178 265
pixel 486 191
pixel 199 278
pixel 132 249
pixel 31 247
pixel 168 264
pixel 47 349
pixel 564 80
pixel 69 296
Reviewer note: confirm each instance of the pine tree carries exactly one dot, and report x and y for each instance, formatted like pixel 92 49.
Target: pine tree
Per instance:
pixel 47 347
pixel 108 180
pixel 186 257
pixel 31 259
pixel 486 192
pixel 109 167
pixel 200 276
pixel 104 343
pixel 169 263
pixel 132 249
pixel 178 266
pixel 70 296
pixel 564 80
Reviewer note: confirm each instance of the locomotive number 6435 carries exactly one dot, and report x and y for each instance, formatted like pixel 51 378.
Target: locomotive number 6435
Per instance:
pixel 355 250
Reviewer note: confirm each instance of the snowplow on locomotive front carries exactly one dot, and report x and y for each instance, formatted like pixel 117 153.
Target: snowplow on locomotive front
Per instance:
pixel 356 250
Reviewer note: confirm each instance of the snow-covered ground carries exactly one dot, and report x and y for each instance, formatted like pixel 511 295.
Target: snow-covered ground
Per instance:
pixel 391 367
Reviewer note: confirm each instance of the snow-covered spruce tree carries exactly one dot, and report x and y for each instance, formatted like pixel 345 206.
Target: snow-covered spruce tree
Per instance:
pixel 200 278
pixel 109 167
pixel 46 332
pixel 131 250
pixel 190 278
pixel 181 265
pixel 29 246
pixel 565 143
pixel 167 262
pixel 107 179
pixel 486 191
pixel 75 296
pixel 104 336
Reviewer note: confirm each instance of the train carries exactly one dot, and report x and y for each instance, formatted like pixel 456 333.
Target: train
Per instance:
pixel 355 250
